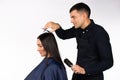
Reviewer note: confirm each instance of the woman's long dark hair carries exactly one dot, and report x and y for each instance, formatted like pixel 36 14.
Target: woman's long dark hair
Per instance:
pixel 50 45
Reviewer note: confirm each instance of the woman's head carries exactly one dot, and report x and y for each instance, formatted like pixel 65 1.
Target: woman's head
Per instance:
pixel 47 46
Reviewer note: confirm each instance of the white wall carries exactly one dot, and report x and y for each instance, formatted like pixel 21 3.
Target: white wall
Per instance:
pixel 21 22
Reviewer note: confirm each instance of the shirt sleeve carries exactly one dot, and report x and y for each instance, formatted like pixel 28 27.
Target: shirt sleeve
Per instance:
pixel 65 34
pixel 104 51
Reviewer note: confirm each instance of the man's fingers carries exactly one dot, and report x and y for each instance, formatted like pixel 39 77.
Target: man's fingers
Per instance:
pixel 49 25
pixel 52 25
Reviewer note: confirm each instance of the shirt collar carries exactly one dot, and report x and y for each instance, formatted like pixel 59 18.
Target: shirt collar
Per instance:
pixel 89 26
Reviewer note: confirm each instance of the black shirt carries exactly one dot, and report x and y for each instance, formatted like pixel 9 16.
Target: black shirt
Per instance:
pixel 94 48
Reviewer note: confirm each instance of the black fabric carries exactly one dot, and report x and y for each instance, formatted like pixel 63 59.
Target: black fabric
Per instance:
pixel 98 76
pixel 94 48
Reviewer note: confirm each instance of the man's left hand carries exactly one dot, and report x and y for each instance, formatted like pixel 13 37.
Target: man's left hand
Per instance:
pixel 78 69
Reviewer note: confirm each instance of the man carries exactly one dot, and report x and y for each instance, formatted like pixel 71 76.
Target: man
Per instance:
pixel 94 49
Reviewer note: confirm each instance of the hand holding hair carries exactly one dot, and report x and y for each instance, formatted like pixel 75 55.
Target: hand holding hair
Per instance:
pixel 54 26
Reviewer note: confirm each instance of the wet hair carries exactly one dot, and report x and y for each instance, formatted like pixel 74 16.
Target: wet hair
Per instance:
pixel 81 7
pixel 50 45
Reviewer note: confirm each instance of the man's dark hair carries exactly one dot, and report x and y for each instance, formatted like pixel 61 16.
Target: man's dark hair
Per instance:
pixel 81 7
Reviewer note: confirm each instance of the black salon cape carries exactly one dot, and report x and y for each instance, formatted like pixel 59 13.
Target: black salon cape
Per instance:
pixel 48 69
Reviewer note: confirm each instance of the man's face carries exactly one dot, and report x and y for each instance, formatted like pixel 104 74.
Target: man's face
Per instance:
pixel 77 18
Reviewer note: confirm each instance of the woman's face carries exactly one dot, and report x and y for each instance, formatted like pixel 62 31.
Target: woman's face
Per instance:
pixel 40 48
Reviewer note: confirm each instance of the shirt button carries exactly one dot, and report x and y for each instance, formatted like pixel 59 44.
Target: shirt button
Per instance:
pixel 83 32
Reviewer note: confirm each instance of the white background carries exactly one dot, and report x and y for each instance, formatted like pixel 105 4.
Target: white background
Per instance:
pixel 21 22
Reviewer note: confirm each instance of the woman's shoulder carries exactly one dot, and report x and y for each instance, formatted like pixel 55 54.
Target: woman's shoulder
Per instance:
pixel 55 70
pixel 54 64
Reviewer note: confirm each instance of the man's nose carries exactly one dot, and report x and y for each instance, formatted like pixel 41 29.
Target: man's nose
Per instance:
pixel 71 20
pixel 38 49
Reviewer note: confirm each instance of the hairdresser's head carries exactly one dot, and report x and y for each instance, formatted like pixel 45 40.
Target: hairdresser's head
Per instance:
pixel 80 14
pixel 47 46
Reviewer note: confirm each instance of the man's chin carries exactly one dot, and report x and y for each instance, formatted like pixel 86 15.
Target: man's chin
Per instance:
pixel 76 27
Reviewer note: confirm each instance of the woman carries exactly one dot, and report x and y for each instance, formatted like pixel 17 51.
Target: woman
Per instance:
pixel 52 67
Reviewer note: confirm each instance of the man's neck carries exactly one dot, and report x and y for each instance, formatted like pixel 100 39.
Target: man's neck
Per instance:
pixel 86 23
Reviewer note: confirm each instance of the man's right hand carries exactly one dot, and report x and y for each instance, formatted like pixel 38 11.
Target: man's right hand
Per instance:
pixel 54 26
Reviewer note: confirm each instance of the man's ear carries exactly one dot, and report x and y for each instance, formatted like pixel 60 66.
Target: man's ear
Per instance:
pixel 85 15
